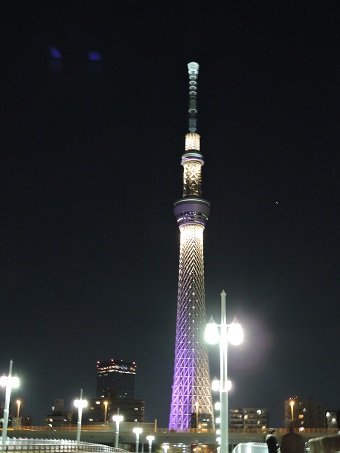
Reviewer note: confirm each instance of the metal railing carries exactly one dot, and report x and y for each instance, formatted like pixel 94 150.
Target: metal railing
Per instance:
pixel 55 446
pixel 251 447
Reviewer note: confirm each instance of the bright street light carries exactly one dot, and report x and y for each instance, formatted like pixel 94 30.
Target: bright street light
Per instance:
pixel 18 408
pixel 9 382
pixel 215 385
pixel 105 411
pixel 137 431
pixel 229 333
pixel 80 404
pixel 117 418
pixel 292 402
pixel 150 439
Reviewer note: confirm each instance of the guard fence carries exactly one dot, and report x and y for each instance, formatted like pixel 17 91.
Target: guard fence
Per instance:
pixel 55 446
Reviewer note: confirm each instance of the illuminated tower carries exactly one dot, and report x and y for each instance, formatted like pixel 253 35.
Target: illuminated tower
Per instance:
pixel 191 394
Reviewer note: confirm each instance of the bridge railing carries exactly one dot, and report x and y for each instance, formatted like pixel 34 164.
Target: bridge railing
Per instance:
pixel 55 446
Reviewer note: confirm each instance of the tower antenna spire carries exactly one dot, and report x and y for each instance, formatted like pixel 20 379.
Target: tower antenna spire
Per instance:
pixel 193 69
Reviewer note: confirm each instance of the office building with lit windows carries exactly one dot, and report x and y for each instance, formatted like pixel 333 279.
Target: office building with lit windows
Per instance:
pixel 116 379
pixel 101 410
pixel 304 413
pixel 248 418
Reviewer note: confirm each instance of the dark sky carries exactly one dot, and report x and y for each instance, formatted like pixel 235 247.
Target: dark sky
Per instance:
pixel 90 169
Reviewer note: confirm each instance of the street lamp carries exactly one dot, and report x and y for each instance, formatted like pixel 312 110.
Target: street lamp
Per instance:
pixel 137 431
pixel 9 382
pixel 230 333
pixel 80 404
pixel 18 408
pixel 105 411
pixel 117 418
pixel 150 439
pixel 292 410
pixel 215 385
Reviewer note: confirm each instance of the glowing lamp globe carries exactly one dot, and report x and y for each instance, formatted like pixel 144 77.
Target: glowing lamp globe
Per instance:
pixel 211 335
pixel 235 333
pixel 4 380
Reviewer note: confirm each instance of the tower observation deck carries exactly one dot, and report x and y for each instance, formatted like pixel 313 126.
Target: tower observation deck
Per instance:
pixel 191 394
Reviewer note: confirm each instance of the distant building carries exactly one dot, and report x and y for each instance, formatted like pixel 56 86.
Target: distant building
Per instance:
pixel 304 413
pixel 100 410
pixel 201 422
pixel 58 416
pixel 115 391
pixel 13 421
pixel 26 420
pixel 116 379
pixel 332 419
pixel 248 418
pixel 58 405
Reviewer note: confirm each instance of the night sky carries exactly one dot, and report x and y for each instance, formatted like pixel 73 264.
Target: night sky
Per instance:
pixel 90 168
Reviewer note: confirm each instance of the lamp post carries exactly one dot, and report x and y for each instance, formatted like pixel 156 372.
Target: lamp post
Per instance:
pixel 117 418
pixel 80 404
pixel 137 431
pixel 228 333
pixel 292 411
pixel 18 408
pixel 150 439
pixel 105 411
pixel 9 382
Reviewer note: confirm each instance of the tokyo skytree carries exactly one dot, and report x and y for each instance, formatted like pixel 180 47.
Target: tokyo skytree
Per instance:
pixel 191 393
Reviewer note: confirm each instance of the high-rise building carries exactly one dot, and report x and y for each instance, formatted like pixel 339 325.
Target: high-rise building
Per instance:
pixel 304 413
pixel 191 393
pixel 116 379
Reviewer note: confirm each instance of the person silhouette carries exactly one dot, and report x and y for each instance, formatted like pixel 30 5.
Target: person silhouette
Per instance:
pixel 271 441
pixel 292 442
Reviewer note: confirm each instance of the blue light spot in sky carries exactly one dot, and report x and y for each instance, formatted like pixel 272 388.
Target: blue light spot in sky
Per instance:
pixel 93 55
pixel 55 53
